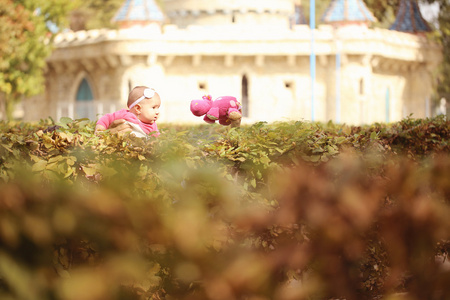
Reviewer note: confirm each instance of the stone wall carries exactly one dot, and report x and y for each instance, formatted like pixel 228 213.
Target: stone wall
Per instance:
pixel 183 64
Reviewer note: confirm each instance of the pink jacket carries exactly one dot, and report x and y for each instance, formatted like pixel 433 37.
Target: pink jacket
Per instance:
pixel 107 119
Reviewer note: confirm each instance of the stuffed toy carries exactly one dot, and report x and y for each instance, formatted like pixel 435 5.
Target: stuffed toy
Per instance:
pixel 226 109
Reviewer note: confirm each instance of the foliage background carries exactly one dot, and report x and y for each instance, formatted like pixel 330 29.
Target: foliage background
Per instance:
pixel 24 46
pixel 268 211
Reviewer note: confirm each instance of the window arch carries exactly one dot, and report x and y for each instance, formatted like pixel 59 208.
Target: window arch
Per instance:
pixel 84 101
pixel 84 92
pixel 244 96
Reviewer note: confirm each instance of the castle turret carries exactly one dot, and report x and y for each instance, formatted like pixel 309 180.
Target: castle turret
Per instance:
pixel 409 19
pixel 343 12
pixel 138 12
pixel 218 12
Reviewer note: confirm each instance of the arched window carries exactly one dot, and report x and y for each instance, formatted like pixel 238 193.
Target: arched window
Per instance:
pixel 83 106
pixel 84 92
pixel 244 96
pixel 203 87
pixel 361 86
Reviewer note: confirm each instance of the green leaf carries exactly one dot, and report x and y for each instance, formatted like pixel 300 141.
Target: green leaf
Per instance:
pixel 107 171
pixel 340 139
pixel 39 166
pixel 314 158
pixel 65 120
pixel 373 135
pixel 265 160
pixel 89 171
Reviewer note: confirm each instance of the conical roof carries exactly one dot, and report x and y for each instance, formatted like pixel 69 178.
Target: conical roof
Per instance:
pixel 348 11
pixel 141 12
pixel 409 19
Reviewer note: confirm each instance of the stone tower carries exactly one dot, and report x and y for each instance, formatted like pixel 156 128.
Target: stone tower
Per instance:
pixel 184 13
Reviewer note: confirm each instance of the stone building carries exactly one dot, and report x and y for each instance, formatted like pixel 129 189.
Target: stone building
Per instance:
pixel 255 50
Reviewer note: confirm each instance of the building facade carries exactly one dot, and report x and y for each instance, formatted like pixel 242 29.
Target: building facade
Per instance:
pixel 250 49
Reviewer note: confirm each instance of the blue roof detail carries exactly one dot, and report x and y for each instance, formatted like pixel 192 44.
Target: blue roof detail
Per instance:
pixel 409 19
pixel 139 10
pixel 347 11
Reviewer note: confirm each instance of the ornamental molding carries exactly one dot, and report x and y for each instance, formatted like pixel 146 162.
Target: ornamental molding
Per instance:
pixel 112 61
pixel 226 11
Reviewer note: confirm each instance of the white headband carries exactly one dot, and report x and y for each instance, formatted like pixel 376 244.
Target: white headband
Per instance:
pixel 148 93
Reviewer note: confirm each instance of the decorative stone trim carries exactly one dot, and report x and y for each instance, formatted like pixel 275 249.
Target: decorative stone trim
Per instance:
pixel 229 60
pixel 112 60
pixel 196 60
pixel 243 10
pixel 259 60
pixel 169 60
pixel 291 60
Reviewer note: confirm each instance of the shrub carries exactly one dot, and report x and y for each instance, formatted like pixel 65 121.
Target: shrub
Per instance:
pixel 268 211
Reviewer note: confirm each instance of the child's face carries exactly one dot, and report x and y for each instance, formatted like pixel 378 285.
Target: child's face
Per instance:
pixel 149 109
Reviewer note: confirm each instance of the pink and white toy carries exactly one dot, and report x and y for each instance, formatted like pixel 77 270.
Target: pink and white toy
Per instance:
pixel 226 109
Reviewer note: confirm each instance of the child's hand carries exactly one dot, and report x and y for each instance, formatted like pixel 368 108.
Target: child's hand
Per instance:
pixel 119 126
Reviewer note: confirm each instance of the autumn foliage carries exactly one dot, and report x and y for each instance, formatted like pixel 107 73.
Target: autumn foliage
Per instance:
pixel 267 211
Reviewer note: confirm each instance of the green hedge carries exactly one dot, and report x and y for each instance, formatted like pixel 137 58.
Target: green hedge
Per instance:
pixel 269 211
